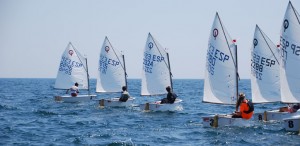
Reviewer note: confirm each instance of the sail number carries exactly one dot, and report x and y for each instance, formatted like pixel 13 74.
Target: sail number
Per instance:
pixel 214 55
pixel 285 47
pixel 284 44
pixel 67 65
pixel 291 124
pixel 257 65
pixel 149 59
pixel 104 62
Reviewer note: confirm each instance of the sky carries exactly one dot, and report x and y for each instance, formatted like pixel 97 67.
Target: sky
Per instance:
pixel 35 33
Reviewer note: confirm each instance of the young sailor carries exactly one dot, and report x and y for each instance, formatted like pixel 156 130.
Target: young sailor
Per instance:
pixel 74 90
pixel 125 95
pixel 171 97
pixel 246 108
pixel 290 108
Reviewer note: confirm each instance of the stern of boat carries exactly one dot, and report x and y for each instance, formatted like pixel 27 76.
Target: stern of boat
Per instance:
pixel 292 124
pixel 114 102
pixel 157 106
pixel 223 120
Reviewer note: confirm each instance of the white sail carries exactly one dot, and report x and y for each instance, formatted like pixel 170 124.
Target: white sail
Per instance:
pixel 220 82
pixel 111 69
pixel 290 56
pixel 155 74
pixel 265 78
pixel 72 69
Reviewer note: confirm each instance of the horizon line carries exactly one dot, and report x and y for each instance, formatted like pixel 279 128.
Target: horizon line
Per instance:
pixel 96 78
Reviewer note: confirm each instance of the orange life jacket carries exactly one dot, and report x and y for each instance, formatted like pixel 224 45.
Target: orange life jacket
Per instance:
pixel 244 107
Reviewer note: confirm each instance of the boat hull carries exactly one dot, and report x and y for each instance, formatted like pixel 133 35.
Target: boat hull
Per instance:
pixel 223 120
pixel 79 98
pixel 114 102
pixel 156 106
pixel 273 115
pixel 292 124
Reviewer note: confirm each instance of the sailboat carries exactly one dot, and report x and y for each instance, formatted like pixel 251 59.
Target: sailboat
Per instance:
pixel 156 76
pixel 265 78
pixel 221 77
pixel 290 60
pixel 72 69
pixel 112 75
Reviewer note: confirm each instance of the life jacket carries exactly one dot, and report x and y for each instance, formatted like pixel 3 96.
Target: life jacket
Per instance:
pixel 124 96
pixel 74 89
pixel 251 107
pixel 174 96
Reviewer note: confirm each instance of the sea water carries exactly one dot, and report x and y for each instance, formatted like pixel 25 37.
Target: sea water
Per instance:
pixel 30 116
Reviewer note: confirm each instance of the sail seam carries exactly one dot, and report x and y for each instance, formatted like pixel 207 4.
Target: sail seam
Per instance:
pixel 263 35
pixel 295 12
pixel 115 53
pixel 77 56
pixel 160 52
pixel 227 41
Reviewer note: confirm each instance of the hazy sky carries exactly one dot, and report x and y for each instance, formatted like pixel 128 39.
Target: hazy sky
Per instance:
pixel 35 33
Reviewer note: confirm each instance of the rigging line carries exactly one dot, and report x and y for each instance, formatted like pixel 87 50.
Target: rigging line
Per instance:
pixel 160 53
pixel 295 12
pixel 85 68
pixel 116 54
pixel 267 43
pixel 235 64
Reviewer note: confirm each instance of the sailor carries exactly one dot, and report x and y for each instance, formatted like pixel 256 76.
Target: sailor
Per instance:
pixel 171 97
pixel 74 90
pixel 125 95
pixel 246 108
pixel 292 108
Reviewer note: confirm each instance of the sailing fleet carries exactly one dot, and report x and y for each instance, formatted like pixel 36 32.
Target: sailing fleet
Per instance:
pixel 274 74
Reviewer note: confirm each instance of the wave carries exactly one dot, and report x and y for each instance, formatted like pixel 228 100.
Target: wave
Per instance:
pixel 7 107
pixel 45 113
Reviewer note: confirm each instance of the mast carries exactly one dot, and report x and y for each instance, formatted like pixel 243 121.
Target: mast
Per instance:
pixel 88 76
pixel 237 76
pixel 169 66
pixel 125 71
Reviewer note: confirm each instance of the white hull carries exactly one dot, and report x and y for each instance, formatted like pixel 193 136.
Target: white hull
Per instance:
pixel 114 102
pixel 79 98
pixel 273 115
pixel 223 120
pixel 156 106
pixel 292 124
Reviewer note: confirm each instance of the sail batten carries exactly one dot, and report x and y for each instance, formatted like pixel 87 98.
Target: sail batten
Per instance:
pixel 220 82
pixel 111 69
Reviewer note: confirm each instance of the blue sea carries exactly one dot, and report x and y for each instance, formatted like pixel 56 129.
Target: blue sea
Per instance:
pixel 30 116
